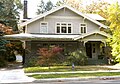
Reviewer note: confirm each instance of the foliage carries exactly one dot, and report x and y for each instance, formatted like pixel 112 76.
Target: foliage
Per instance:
pixel 43 7
pixel 7 48
pixel 73 3
pixel 59 3
pixel 10 12
pixel 114 19
pixel 31 62
pixel 49 55
pixel 2 52
pixel 2 45
pixel 98 7
pixel 3 30
pixel 3 62
pixel 49 5
pixel 77 57
pixel 11 47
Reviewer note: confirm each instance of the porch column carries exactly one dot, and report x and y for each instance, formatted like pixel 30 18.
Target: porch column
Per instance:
pixel 104 43
pixel 24 46
pixel 85 42
pixel 27 52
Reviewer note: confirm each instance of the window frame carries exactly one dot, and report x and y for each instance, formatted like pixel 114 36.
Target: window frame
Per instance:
pixel 41 27
pixel 84 28
pixel 60 26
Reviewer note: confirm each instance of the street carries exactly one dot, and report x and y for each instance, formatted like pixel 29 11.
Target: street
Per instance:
pixel 117 81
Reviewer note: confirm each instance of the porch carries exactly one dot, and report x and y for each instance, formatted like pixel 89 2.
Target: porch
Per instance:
pixel 95 49
pixel 90 43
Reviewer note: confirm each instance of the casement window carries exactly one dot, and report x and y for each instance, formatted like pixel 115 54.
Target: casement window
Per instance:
pixel 43 27
pixel 83 28
pixel 63 28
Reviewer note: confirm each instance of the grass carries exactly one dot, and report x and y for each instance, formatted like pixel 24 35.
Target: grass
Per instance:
pixel 42 76
pixel 64 69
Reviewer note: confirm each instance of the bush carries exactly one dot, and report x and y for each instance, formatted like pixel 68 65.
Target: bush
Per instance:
pixel 31 62
pixel 3 63
pixel 77 57
pixel 49 56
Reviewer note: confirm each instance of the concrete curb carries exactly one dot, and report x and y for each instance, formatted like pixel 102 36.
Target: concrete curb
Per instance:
pixel 77 79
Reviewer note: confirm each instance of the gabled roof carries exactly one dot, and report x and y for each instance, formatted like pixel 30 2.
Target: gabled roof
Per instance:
pixel 91 33
pixel 58 8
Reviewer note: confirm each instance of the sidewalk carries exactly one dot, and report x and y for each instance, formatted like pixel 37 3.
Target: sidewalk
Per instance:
pixel 14 74
pixel 77 79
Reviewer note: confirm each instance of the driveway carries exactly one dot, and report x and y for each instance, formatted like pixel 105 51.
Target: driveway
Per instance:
pixel 14 76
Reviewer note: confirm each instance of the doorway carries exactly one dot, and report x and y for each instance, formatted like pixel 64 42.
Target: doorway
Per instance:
pixel 88 46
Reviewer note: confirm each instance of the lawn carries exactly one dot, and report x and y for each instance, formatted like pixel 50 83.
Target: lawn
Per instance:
pixel 64 69
pixel 42 76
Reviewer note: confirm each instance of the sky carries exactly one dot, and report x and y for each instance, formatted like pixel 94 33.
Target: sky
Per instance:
pixel 32 6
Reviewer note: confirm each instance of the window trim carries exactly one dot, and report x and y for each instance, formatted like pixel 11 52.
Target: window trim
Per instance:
pixel 82 26
pixel 41 25
pixel 66 26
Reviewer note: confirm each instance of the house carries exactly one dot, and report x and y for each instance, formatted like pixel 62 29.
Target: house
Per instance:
pixel 66 27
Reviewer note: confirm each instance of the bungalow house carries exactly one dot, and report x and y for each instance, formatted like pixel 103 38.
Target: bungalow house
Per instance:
pixel 66 27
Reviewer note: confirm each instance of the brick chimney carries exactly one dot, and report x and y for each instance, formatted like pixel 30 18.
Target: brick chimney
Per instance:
pixel 25 10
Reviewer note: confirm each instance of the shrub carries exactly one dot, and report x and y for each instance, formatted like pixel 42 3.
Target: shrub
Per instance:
pixel 31 62
pixel 77 57
pixel 3 63
pixel 49 55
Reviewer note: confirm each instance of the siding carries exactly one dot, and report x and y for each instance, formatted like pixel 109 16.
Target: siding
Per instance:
pixel 95 37
pixel 62 16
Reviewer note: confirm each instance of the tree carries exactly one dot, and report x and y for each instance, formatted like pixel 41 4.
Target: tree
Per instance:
pixel 49 55
pixel 10 12
pixel 77 4
pixel 3 30
pixel 98 7
pixel 59 3
pixel 43 7
pixel 49 5
pixel 114 19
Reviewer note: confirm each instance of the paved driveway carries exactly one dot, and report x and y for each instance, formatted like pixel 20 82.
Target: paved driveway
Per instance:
pixel 14 76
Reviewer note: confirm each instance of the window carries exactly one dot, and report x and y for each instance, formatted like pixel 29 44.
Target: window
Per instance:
pixel 63 28
pixel 43 27
pixel 83 28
